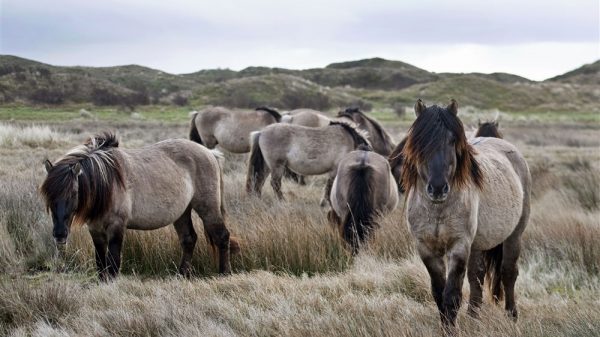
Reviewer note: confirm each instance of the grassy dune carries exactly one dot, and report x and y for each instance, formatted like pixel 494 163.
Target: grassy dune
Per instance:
pixel 293 276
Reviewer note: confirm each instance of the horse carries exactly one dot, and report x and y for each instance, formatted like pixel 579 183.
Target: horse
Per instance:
pixel 468 201
pixel 488 129
pixel 112 189
pixel 362 190
pixel 304 150
pixel 395 160
pixel 230 129
pixel 306 117
pixel 381 141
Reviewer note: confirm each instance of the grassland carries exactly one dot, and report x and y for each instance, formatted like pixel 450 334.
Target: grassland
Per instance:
pixel 293 276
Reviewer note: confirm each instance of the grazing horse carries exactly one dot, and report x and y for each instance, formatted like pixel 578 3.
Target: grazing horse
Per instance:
pixel 381 141
pixel 488 129
pixel 467 201
pixel 304 150
pixel 230 128
pixel 306 117
pixel 363 189
pixel 112 189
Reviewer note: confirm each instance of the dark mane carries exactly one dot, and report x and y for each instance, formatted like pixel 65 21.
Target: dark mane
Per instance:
pixel 92 168
pixel 396 159
pixel 271 111
pixel 385 137
pixel 426 135
pixel 358 138
pixel 488 129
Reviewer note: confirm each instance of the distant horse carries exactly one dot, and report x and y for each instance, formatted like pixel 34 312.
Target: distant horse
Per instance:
pixel 306 117
pixel 468 201
pixel 230 128
pixel 304 150
pixel 488 129
pixel 381 141
pixel 363 189
pixel 112 189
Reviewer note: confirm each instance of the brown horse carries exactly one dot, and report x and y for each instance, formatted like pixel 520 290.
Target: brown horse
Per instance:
pixel 112 189
pixel 488 129
pixel 304 150
pixel 363 189
pixel 230 129
pixel 381 141
pixel 306 117
pixel 468 204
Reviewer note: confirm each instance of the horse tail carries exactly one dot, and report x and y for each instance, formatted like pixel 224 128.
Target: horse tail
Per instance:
pixel 359 221
pixel 256 165
pixel 194 135
pixel 493 263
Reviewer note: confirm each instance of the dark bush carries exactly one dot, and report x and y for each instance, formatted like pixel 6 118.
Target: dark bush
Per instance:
pixel 47 96
pixel 180 100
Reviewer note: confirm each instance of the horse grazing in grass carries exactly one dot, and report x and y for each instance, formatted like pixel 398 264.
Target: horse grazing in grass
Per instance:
pixel 304 150
pixel 381 141
pixel 112 189
pixel 488 129
pixel 362 190
pixel 467 201
pixel 306 117
pixel 230 128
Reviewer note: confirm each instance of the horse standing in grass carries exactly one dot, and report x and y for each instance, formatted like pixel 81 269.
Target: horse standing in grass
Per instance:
pixel 304 150
pixel 112 189
pixel 381 141
pixel 467 201
pixel 230 129
pixel 363 189
pixel 306 117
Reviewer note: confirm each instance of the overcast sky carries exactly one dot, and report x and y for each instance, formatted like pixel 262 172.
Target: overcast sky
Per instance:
pixel 534 38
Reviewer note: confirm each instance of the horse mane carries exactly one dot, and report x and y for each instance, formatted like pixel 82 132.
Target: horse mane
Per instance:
pixel 488 129
pixel 426 135
pixel 359 136
pixel 271 111
pixel 387 140
pixel 395 159
pixel 94 168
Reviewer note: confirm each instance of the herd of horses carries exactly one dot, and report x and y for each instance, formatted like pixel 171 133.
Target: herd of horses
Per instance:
pixel 466 198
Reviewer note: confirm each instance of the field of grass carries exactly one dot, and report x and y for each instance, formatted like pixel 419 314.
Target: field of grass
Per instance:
pixel 293 276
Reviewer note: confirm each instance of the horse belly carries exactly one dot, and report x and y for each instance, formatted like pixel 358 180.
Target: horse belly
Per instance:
pixel 499 213
pixel 232 139
pixel 308 162
pixel 160 202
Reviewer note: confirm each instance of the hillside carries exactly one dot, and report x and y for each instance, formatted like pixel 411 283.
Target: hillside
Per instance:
pixel 369 82
pixel 586 74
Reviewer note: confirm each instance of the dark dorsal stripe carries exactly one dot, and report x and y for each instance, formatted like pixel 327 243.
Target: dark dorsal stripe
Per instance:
pixel 271 111
pixel 356 136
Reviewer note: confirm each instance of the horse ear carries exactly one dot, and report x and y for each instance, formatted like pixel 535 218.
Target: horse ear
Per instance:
pixel 453 107
pixel 419 107
pixel 47 165
pixel 76 169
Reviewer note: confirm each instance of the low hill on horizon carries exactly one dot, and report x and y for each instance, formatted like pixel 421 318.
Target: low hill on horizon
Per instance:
pixel 369 82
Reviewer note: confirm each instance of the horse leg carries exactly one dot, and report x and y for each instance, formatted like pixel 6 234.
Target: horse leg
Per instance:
pixel 327 191
pixel 509 272
pixel 276 176
pixel 437 273
pixel 218 237
pixel 457 258
pixel 475 275
pixel 100 243
pixel 115 243
pixel 187 238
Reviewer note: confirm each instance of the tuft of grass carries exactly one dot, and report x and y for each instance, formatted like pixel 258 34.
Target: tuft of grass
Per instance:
pixel 30 136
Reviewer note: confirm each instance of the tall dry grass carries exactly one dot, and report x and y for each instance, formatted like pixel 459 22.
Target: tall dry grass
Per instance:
pixel 293 276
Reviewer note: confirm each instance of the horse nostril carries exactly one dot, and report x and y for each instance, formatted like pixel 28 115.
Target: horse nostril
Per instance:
pixel 446 189
pixel 429 189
